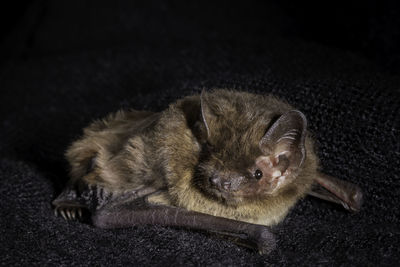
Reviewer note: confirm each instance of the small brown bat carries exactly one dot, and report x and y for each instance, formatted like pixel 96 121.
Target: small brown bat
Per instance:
pixel 227 162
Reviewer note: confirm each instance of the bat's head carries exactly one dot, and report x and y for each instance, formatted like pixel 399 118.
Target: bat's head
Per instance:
pixel 249 152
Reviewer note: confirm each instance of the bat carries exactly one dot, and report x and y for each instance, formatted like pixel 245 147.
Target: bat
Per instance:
pixel 227 162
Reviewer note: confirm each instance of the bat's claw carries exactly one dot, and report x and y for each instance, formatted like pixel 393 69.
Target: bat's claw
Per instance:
pixel 69 213
pixel 62 211
pixel 79 213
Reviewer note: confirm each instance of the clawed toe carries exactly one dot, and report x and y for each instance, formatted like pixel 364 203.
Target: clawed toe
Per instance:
pixel 69 213
pixel 79 213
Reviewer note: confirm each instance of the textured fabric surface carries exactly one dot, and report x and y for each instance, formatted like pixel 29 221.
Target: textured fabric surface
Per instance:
pixel 74 62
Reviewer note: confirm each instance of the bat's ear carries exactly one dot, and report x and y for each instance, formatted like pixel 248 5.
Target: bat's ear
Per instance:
pixel 286 137
pixel 206 113
pixel 283 148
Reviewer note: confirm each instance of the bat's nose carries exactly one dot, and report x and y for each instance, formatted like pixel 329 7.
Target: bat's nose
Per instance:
pixel 220 183
pixel 215 180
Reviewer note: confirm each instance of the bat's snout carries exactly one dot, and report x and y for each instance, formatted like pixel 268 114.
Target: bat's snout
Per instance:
pixel 225 181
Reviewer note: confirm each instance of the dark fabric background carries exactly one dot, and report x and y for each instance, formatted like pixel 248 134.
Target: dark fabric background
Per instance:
pixel 65 63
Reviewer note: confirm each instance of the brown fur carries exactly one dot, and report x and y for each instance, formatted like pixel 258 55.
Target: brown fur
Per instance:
pixel 135 149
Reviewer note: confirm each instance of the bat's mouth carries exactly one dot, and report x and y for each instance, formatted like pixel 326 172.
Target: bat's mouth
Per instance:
pixel 226 197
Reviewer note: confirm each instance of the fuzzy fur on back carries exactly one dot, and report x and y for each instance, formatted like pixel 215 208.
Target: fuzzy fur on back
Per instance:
pixel 134 149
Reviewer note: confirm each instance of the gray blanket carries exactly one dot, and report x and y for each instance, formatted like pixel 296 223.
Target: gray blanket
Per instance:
pixel 67 63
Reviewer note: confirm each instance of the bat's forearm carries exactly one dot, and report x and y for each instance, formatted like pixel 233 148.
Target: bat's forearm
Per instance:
pixel 256 235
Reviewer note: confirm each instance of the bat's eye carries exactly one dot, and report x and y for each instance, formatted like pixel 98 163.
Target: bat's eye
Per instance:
pixel 258 174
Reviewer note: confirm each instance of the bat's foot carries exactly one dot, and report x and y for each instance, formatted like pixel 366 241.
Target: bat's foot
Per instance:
pixel 264 240
pixel 69 213
pixel 71 205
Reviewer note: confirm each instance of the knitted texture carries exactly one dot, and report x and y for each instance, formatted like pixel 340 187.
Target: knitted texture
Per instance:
pixel 79 62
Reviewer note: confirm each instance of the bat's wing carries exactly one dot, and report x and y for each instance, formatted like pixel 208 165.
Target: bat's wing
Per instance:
pixel 338 191
pixel 154 209
pixel 75 200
